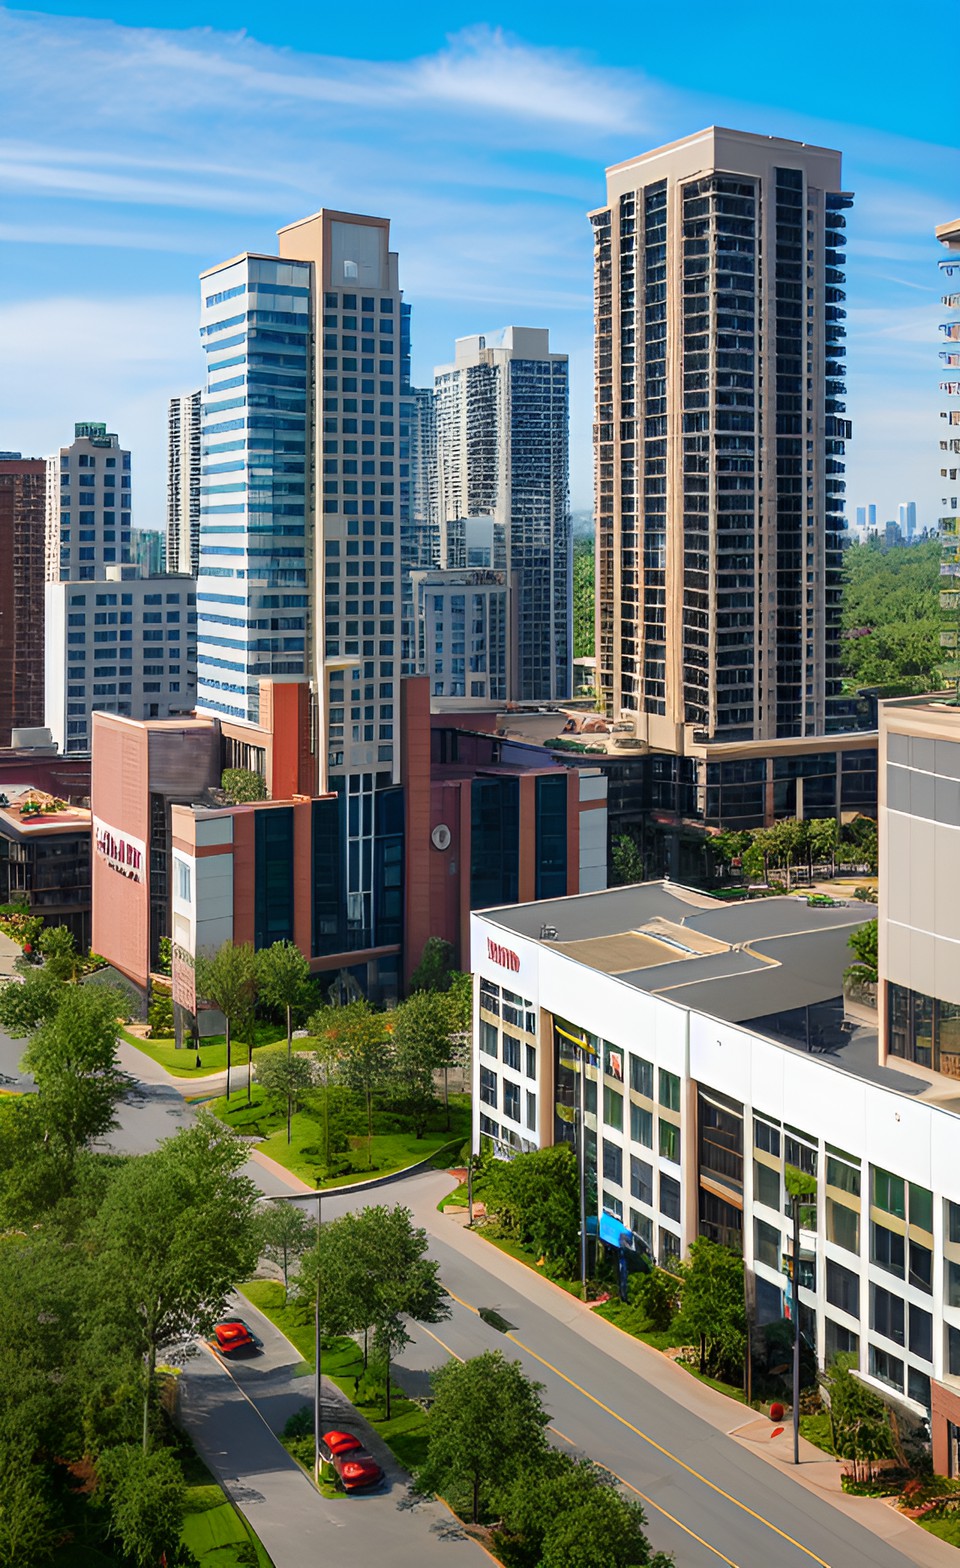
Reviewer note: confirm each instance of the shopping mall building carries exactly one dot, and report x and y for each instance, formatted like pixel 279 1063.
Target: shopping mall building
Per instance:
pixel 716 1048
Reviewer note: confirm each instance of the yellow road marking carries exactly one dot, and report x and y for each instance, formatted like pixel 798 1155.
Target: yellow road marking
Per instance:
pixel 652 1441
pixel 650 1502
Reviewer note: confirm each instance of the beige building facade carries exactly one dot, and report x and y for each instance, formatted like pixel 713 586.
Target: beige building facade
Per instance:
pixel 719 438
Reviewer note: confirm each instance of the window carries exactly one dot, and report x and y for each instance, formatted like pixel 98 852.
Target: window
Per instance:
pixel 642 1227
pixel 921 1333
pixel 843 1288
pixel 511 1051
pixel 641 1180
pixel 952 1283
pixel 887 1314
pixel 531 1061
pixel 669 1141
pixel 921 1267
pixel 613 1061
pixel 612 1162
pixel 511 1100
pixel 669 1090
pixel 843 1226
pixel 612 1108
pixel 488 1038
pixel 766 1245
pixel 953 1351
pixel 641 1076
pixel 641 1126
pixel 182 880
pixel 612 1205
pixel 766 1185
pixel 669 1198
pixel 490 997
pixel 887 1249
pixel 921 1207
pixel 531 1111
pixel 886 1368
pixel 888 1192
pixel 669 1248
pixel 767 1138
pixel 840 1341
pixel 953 1221
pixel 488 1087
pixel 842 1175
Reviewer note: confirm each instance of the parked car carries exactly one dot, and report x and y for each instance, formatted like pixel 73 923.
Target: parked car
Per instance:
pixel 349 1460
pixel 233 1334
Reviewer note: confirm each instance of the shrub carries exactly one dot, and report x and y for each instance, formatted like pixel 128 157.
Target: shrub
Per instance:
pixel 300 1424
pixel 655 1297
pixel 160 1016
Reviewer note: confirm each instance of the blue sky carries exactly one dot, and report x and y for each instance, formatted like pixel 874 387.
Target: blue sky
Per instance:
pixel 139 145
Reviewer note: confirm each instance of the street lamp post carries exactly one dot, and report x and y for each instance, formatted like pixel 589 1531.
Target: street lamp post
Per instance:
pixel 317 1403
pixel 796 1327
pixel 582 1161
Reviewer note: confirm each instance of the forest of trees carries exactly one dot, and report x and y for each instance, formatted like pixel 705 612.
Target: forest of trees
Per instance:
pixel 891 613
pixel 891 616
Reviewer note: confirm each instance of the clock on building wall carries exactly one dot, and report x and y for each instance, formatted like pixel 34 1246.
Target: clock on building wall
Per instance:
pixel 441 836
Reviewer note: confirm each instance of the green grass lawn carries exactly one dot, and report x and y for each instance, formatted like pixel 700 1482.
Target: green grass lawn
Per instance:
pixel 391 1150
pixel 217 1535
pixel 405 1434
pixel 945 1529
pixel 213 1052
pixel 816 1429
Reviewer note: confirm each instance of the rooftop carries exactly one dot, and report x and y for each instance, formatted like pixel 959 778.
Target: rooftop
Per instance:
pixel 26 811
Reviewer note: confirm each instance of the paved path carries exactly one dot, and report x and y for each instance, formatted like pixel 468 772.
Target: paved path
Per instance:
pixel 232 1416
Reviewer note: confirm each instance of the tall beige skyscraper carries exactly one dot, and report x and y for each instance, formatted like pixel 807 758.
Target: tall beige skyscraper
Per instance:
pixel 719 438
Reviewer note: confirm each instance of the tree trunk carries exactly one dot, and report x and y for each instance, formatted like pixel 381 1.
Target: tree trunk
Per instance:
pixel 227 1025
pixel 249 1072
pixel 148 1389
pixel 326 1120
pixel 703 1354
pixel 388 1386
pixel 446 1095
pixel 289 1059
pixel 369 1128
pixel 365 1347
pixel 476 1499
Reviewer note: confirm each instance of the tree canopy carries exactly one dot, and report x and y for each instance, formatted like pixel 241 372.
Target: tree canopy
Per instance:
pixel 891 617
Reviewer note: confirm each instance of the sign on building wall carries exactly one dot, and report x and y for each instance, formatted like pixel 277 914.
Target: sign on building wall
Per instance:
pixel 121 851
pixel 183 974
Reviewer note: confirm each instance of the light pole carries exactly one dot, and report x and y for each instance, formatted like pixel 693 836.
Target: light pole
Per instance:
pixel 582 1161
pixel 317 1403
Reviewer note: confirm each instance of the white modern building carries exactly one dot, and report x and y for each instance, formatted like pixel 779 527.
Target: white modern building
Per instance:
pixel 502 452
pixel 713 1050
pixel 88 506
pixel 123 643
pixel 183 483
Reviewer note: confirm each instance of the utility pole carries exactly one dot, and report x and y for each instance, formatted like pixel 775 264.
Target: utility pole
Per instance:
pixel 795 1198
pixel 317 1403
pixel 582 1154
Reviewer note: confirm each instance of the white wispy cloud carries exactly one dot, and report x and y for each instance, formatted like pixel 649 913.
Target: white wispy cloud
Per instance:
pixel 130 158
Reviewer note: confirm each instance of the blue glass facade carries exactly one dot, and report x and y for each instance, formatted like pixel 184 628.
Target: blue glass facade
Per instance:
pixel 252 586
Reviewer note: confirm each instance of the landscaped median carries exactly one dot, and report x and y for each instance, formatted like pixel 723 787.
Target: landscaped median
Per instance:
pixel 213 1530
pixel 212 1052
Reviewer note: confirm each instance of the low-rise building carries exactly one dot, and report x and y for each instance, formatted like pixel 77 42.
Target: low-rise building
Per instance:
pixel 45 858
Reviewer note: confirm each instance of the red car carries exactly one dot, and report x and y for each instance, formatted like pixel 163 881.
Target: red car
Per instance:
pixel 351 1463
pixel 235 1335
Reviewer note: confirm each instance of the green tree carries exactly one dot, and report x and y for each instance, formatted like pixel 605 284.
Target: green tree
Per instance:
pixel 627 860
pixel 165 955
pixel 160 1015
pixel 859 1420
pixel 229 981
pixel 283 982
pixel 823 839
pixel 242 786
pixel 712 1312
pixel 891 616
pixel 146 1495
pixel 285 1080
pixel 485 1425
pixel 366 1056
pixel 178 1230
pixel 30 1524
pixel 60 957
pixel 28 1002
pixel 571 1514
pixel 863 944
pixel 584 593
pixel 286 1233
pixel 435 967
pixel 536 1200
pixel 73 1059
pixel 426 1042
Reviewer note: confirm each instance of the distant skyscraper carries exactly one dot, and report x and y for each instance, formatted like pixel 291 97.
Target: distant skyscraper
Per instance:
pixel 146 550
pixel 502 452
pixel 861 518
pixel 720 438
pixel 183 484
pixel 907 518
pixel 872 515
pixel 419 527
pixel 88 506
pixel 23 487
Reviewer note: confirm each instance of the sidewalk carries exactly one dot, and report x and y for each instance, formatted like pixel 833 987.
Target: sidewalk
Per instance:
pixel 817 1471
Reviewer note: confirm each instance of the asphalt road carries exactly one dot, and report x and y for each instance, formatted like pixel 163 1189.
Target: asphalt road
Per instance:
pixel 708 1498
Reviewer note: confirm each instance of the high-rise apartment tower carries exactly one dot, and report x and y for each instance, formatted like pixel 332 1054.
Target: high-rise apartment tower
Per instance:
pixel 502 452
pixel 23 488
pixel 719 438
pixel 183 484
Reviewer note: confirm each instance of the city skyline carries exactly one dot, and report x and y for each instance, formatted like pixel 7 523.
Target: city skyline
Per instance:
pixel 104 243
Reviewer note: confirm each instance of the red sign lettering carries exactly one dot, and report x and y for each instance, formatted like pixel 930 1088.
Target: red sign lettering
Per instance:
pixel 503 956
